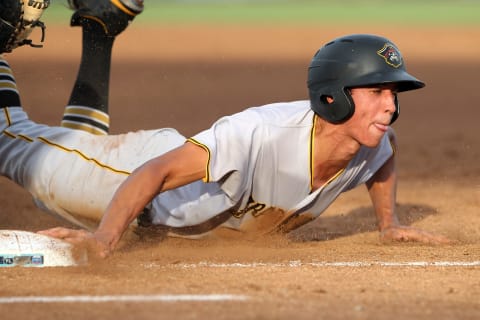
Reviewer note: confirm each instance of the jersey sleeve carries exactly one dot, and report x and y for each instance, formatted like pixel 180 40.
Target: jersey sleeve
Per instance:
pixel 232 150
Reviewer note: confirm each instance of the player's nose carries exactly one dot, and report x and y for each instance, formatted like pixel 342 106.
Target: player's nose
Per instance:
pixel 389 100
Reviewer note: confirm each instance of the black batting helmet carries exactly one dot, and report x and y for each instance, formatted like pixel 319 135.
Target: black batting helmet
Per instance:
pixel 354 61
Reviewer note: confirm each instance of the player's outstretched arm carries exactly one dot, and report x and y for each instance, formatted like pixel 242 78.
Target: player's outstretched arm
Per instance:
pixel 382 188
pixel 171 170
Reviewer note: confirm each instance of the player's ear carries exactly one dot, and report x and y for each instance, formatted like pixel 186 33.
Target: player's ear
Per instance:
pixel 327 99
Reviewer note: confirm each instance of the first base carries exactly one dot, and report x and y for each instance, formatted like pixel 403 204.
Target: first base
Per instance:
pixel 28 249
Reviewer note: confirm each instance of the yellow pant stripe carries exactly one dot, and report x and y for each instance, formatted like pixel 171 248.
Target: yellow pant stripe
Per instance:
pixel 78 152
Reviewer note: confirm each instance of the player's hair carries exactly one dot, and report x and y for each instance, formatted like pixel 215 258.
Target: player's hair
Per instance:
pixel 354 61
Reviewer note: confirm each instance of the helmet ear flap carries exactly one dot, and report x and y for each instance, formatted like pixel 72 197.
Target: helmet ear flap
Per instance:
pixel 342 107
pixel 339 109
pixel 396 113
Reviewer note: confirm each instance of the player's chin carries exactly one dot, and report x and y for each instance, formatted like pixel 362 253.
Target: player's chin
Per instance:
pixel 372 141
pixel 374 136
pixel 371 145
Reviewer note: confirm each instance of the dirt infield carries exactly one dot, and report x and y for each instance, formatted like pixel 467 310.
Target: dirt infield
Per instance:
pixel 332 268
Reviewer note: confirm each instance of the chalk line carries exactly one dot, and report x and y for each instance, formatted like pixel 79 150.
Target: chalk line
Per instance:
pixel 122 298
pixel 297 263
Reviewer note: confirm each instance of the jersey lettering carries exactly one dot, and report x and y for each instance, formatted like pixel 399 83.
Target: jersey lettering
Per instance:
pixel 254 207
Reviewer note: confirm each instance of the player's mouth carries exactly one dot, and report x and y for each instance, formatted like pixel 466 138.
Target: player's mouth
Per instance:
pixel 381 127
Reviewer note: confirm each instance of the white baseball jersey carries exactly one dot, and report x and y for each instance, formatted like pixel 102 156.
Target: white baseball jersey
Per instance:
pixel 258 159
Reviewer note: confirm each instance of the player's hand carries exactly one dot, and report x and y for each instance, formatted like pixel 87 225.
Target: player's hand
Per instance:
pixel 406 234
pixel 80 239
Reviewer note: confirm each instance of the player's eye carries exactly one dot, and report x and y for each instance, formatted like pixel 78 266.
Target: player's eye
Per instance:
pixel 375 90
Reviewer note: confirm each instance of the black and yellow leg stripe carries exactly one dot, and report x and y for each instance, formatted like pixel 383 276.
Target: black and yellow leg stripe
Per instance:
pixel 86 119
pixel 9 96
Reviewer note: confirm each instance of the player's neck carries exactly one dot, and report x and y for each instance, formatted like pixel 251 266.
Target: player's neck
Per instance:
pixel 331 152
pixel 331 143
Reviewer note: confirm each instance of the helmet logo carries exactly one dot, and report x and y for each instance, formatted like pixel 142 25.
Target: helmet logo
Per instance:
pixel 391 55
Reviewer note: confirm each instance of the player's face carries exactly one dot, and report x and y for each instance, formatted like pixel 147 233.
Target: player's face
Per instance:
pixel 374 107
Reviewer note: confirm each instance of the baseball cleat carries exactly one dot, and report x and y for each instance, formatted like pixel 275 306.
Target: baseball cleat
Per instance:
pixel 113 15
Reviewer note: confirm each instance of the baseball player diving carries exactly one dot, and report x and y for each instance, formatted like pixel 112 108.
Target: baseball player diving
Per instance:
pixel 266 169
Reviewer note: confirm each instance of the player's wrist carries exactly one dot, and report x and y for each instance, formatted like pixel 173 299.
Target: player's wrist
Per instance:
pixel 386 222
pixel 105 242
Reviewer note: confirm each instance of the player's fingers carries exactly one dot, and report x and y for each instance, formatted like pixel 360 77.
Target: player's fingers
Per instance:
pixel 80 239
pixel 425 237
pixel 57 232
pixel 74 238
pixel 434 239
pixel 406 234
pixel 61 233
pixel 87 240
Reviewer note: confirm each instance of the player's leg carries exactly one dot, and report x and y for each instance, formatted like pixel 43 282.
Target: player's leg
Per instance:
pixel 68 172
pixel 30 153
pixel 87 107
pixel 101 22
